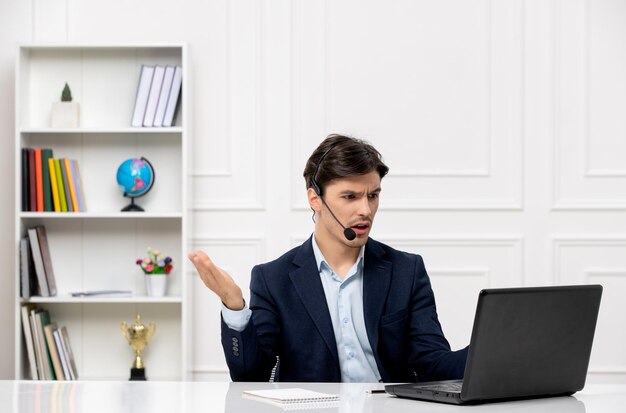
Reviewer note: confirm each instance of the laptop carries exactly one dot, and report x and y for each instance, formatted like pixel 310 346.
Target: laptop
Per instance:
pixel 526 343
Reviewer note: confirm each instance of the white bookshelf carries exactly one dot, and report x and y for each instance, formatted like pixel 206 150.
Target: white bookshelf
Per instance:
pixel 97 249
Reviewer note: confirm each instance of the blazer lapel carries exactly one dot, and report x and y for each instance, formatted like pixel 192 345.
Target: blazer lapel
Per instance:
pixel 376 282
pixel 308 285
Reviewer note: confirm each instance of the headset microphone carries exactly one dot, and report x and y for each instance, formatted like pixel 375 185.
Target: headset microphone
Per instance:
pixel 347 232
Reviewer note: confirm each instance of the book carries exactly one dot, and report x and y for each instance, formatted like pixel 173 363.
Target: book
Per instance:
pixel 153 97
pixel 54 352
pixel 38 180
pixel 67 348
pixel 62 198
pixel 292 395
pixel 32 181
pixel 166 87
pixel 38 262
pixel 45 176
pixel 37 348
pixel 28 278
pixel 66 187
pixel 65 364
pixel 143 90
pixel 44 248
pixel 78 185
pixel 28 339
pixel 53 186
pixel 70 184
pixel 102 293
pixel 168 77
pixel 173 98
pixel 25 181
pixel 42 319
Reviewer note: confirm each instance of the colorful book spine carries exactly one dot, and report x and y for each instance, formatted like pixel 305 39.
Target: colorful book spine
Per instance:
pixel 70 184
pixel 45 175
pixel 53 186
pixel 25 181
pixel 38 180
pixel 32 180
pixel 62 199
pixel 78 185
pixel 66 187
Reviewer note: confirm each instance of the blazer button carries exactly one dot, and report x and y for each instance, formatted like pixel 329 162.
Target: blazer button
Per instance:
pixel 236 353
pixel 235 340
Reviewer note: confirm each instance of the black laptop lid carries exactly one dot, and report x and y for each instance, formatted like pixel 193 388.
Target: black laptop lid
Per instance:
pixel 528 342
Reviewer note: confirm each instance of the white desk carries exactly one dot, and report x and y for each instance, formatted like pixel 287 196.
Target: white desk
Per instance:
pixel 212 397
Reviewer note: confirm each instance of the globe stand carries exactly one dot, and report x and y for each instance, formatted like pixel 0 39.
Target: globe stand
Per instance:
pixel 132 207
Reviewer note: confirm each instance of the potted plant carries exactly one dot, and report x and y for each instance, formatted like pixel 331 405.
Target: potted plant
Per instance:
pixel 65 114
pixel 156 270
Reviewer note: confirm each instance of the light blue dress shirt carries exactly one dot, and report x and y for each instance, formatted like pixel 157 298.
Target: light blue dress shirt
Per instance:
pixel 345 303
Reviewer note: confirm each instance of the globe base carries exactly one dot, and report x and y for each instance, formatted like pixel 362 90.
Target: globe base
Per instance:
pixel 132 207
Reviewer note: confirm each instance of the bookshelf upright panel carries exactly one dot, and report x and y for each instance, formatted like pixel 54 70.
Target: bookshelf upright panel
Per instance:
pixel 97 249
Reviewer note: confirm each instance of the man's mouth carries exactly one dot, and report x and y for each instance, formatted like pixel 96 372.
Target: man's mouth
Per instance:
pixel 361 227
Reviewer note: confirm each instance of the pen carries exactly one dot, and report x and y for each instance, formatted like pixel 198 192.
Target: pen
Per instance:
pixel 372 391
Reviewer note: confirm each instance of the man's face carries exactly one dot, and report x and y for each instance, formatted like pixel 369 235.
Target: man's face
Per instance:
pixel 354 200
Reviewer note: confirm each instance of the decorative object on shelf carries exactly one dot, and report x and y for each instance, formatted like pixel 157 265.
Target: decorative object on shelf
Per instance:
pixel 65 114
pixel 138 336
pixel 135 176
pixel 156 271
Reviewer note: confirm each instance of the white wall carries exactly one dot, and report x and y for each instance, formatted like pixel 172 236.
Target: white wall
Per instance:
pixel 502 122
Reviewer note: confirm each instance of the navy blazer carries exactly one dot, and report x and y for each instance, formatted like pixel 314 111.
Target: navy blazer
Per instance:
pixel 290 319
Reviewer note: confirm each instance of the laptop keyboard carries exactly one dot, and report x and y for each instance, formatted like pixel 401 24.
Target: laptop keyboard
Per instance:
pixel 443 387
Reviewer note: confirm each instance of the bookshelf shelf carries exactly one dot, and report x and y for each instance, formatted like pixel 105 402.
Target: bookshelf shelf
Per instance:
pixel 104 130
pixel 100 215
pixel 97 249
pixel 68 299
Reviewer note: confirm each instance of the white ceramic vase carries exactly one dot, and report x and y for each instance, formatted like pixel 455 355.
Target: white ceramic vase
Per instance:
pixel 156 285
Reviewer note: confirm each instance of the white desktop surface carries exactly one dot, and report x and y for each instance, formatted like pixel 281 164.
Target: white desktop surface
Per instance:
pixel 211 397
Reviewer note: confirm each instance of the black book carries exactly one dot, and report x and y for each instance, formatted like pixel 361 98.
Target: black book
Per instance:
pixel 25 181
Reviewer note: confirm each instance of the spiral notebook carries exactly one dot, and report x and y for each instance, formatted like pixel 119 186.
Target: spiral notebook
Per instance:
pixel 292 396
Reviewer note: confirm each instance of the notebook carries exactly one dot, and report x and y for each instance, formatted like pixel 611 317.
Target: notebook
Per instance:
pixel 294 398
pixel 526 343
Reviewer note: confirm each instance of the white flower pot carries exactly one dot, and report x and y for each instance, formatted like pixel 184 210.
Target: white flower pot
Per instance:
pixel 65 115
pixel 156 285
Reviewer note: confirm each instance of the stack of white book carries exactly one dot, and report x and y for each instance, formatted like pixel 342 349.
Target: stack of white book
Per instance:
pixel 158 95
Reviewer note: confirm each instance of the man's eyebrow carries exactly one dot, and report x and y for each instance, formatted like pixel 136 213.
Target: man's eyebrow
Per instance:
pixel 351 192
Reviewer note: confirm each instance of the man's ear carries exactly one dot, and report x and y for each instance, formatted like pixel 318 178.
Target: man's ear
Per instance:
pixel 314 200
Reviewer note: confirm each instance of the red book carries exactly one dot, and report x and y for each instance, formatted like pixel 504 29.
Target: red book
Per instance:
pixel 32 187
pixel 39 179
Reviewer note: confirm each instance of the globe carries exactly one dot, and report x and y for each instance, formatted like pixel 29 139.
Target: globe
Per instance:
pixel 135 176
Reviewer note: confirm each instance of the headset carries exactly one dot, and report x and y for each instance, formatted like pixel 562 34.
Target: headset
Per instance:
pixel 347 232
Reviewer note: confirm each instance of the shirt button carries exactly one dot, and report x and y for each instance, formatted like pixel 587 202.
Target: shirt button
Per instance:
pixel 345 320
pixel 351 354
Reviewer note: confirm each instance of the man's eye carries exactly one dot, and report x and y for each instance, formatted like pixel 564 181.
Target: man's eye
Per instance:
pixel 373 196
pixel 348 196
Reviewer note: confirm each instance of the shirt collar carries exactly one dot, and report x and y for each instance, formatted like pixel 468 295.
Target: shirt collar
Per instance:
pixel 319 257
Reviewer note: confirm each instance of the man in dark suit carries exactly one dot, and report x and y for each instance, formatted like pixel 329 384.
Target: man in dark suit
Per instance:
pixel 342 306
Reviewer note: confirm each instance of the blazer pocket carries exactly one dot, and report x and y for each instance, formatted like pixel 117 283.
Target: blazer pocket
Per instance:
pixel 394 317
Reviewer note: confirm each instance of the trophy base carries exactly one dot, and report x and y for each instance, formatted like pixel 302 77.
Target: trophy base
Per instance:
pixel 137 374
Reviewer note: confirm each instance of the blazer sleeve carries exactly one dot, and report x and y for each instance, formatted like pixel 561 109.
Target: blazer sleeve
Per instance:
pixel 251 353
pixel 430 355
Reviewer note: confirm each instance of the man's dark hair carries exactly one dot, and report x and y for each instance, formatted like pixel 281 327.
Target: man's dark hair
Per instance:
pixel 341 156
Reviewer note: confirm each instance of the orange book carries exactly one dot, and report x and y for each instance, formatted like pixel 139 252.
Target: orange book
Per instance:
pixel 70 183
pixel 53 186
pixel 38 180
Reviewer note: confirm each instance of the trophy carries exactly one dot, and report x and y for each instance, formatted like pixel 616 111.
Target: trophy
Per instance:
pixel 138 336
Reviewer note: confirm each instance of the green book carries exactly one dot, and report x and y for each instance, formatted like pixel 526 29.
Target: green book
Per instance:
pixel 45 173
pixel 62 200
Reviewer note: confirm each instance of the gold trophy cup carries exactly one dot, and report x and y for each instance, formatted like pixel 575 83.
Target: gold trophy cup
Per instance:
pixel 138 336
